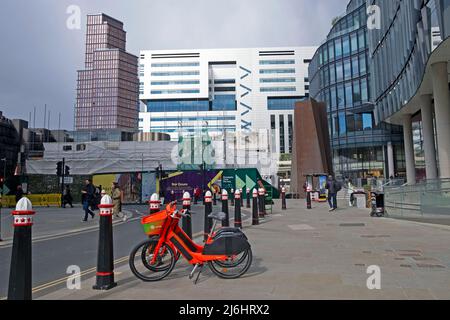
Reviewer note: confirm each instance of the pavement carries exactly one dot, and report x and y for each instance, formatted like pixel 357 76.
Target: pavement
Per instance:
pixel 308 254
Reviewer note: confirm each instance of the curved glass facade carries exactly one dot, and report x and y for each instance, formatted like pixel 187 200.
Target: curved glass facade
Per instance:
pixel 400 49
pixel 339 75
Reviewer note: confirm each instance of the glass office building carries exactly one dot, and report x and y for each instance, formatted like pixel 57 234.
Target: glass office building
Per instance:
pixel 339 75
pixel 410 51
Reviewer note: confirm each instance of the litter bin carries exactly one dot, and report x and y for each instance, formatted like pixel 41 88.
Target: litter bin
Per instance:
pixel 360 199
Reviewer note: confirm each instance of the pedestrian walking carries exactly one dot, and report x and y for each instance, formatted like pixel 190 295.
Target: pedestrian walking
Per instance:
pixel 87 196
pixel 19 193
pixel 67 197
pixel 117 196
pixel 333 188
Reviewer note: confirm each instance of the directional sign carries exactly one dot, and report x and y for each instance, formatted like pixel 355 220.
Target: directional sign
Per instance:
pixel 67 180
pixel 5 190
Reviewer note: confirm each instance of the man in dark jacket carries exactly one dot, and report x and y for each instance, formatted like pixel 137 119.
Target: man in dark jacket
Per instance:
pixel 19 193
pixel 333 188
pixel 87 196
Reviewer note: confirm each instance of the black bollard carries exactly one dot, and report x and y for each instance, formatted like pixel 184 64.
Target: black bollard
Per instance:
pixel 105 258
pixel 187 221
pixel 154 204
pixel 208 209
pixel 19 287
pixel 262 204
pixel 255 215
pixel 248 198
pixel 308 200
pixel 237 210
pixel 226 222
pixel 232 197
pixel 242 198
pixel 283 199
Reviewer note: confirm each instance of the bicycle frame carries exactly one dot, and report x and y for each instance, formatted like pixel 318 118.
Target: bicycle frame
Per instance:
pixel 174 236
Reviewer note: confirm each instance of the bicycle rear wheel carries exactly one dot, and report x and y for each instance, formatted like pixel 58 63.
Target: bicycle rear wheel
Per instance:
pixel 234 267
pixel 146 271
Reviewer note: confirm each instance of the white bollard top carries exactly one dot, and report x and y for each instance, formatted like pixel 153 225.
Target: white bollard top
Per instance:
pixel 237 192
pixel 106 199
pixel 283 190
pixel 224 192
pixel 186 195
pixel 208 194
pixel 154 197
pixel 24 204
pixel 255 193
pixel 248 190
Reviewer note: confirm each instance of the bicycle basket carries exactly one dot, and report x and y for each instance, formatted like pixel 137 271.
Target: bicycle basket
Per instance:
pixel 153 224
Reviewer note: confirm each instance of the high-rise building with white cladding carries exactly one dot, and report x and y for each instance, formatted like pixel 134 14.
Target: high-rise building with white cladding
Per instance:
pixel 224 91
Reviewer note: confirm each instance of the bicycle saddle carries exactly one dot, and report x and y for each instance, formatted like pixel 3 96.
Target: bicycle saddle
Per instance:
pixel 220 216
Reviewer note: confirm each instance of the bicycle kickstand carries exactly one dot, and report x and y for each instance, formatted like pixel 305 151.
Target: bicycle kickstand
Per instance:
pixel 198 274
pixel 191 276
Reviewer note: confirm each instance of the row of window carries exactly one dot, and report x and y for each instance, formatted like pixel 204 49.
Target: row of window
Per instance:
pixel 275 62
pixel 178 105
pixel 276 80
pixel 346 122
pixel 343 70
pixel 200 118
pixel 272 71
pixel 278 89
pixel 347 94
pixel 176 91
pixel 175 64
pixel 173 83
pixel 282 103
pixel 175 73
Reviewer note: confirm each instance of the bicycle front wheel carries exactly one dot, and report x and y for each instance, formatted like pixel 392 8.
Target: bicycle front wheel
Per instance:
pixel 142 255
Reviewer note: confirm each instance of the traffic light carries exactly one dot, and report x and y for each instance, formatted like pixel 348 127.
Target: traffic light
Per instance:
pixel 67 171
pixel 59 169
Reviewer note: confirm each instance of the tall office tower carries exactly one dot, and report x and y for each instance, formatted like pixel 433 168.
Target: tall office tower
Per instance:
pixel 108 88
pixel 340 76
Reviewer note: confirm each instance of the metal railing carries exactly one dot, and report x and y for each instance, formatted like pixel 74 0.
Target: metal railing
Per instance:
pixel 428 199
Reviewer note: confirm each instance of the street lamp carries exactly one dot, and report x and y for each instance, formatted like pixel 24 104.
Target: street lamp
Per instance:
pixel 2 198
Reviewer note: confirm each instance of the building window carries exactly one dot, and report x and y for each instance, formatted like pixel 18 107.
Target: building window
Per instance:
pixel 276 80
pixel 178 82
pixel 271 62
pixel 224 103
pixel 175 64
pixel 282 103
pixel 271 71
pixel 278 89
pixel 175 73
pixel 175 91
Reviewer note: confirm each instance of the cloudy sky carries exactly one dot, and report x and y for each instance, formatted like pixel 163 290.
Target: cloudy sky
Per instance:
pixel 39 55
